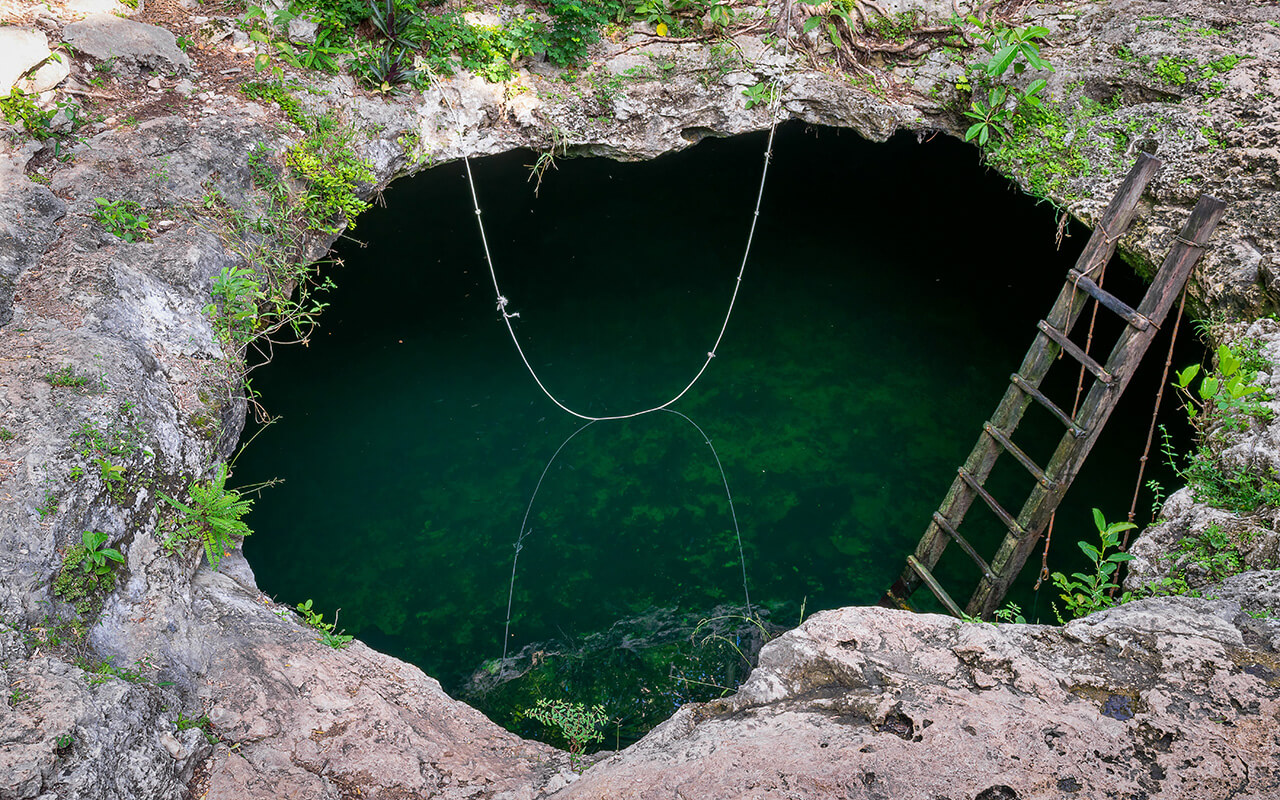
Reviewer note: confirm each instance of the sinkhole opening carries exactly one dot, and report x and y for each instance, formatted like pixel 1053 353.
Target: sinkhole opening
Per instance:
pixel 892 289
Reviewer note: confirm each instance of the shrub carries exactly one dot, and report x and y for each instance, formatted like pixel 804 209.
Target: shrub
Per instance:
pixel 123 219
pixel 86 576
pixel 213 518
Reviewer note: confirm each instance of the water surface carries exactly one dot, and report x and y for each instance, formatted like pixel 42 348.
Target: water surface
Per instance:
pixel 891 290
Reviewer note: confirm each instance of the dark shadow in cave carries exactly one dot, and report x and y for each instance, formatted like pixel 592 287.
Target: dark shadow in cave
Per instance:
pixel 892 289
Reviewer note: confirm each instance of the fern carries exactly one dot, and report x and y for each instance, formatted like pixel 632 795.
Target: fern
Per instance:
pixel 212 519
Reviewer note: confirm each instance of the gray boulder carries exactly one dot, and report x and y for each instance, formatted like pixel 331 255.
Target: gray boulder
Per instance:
pixel 1159 698
pixel 28 214
pixel 133 45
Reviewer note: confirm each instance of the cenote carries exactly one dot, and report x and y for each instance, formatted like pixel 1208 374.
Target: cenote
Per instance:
pixel 891 290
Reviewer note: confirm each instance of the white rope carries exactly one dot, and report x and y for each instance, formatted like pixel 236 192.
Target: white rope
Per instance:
pixel 775 103
pixel 525 531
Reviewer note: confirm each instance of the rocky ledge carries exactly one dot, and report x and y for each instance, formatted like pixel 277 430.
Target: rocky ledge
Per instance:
pixel 189 682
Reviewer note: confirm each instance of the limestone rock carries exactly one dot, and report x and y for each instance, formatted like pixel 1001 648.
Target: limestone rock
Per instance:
pixel 48 75
pixel 28 215
pixel 303 30
pixel 20 50
pixel 1148 699
pixel 873 703
pixel 133 45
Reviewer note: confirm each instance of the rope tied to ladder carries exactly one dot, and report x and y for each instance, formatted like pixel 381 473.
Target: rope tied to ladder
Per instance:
pixel 1075 407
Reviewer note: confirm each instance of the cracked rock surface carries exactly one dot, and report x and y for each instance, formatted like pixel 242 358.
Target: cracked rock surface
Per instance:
pixel 1169 698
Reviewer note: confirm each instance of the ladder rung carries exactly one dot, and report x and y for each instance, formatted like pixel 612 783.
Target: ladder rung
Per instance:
pixel 1048 404
pixel 996 508
pixel 1075 352
pixel 1109 300
pixel 1023 459
pixel 934 586
pixel 941 522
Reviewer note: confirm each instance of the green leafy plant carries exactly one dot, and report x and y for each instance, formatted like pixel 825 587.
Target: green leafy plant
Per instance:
pixel 96 554
pixel 1227 393
pixel 1011 613
pixel 20 107
pixel 6 435
pixel 123 219
pixel 326 160
pixel 212 519
pixel 1015 49
pixel 1084 593
pixel 99 672
pixel 185 723
pixel 276 289
pixel 49 506
pixel 575 26
pixel 68 377
pixel 328 636
pixel 759 94
pixel 1223 401
pixel 578 724
pixel 64 741
pixel 1213 551
pixel 87 572
pixel 234 310
pixel 112 477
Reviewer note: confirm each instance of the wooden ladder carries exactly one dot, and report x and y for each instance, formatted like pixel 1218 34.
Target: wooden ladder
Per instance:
pixel 1082 429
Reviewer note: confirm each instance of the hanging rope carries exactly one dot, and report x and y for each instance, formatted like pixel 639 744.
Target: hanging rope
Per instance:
pixel 775 104
pixel 1075 406
pixel 507 316
pixel 1155 412
pixel 525 531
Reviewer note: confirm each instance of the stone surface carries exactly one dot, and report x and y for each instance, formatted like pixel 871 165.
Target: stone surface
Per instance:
pixel 132 45
pixel 302 30
pixel 28 215
pixel 1127 699
pixel 53 72
pixel 1155 699
pixel 20 50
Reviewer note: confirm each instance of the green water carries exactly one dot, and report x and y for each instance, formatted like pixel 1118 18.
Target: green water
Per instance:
pixel 891 290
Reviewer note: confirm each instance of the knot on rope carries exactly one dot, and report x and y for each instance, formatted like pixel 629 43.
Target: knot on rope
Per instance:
pixel 502 306
pixel 711 354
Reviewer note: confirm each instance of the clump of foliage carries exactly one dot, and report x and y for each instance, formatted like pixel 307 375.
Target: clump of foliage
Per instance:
pixel 275 288
pixel 185 723
pixel 1223 402
pixel 67 377
pixel 759 94
pixel 401 33
pixel 123 219
pixel 1084 593
pixel 1214 552
pixel 578 724
pixel 19 107
pixel 212 518
pixel 1008 48
pixel 234 310
pixel 326 160
pixel 87 572
pixel 328 636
